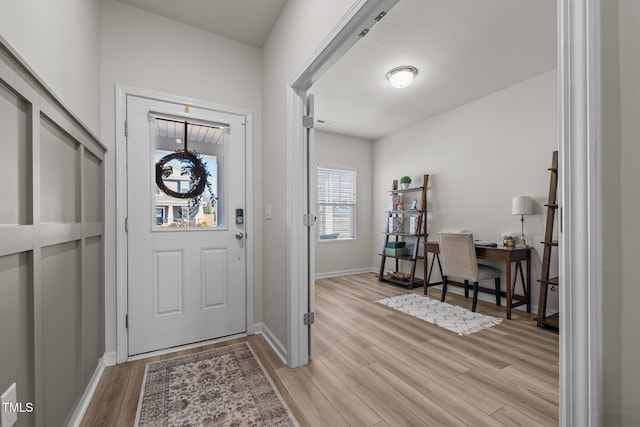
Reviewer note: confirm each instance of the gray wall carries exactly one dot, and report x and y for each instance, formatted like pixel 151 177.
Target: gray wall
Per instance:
pixel 60 40
pixel 133 46
pixel 300 29
pixel 43 33
pixel 51 251
pixel 478 157
pixel 333 150
pixel 621 210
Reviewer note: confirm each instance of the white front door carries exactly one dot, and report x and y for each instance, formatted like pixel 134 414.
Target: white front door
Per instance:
pixel 186 255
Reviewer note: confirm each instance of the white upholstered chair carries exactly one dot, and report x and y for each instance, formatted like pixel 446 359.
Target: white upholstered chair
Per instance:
pixel 458 254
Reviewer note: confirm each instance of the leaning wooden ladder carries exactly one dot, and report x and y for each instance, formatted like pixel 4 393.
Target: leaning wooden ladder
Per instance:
pixel 545 281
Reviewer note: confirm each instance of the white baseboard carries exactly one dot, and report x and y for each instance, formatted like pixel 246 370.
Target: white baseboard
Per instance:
pixel 85 400
pixel 276 345
pixel 110 359
pixel 346 272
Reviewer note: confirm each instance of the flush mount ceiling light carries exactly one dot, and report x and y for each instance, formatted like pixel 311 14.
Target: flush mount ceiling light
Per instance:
pixel 401 77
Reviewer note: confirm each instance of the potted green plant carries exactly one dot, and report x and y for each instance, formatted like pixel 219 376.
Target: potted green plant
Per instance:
pixel 405 181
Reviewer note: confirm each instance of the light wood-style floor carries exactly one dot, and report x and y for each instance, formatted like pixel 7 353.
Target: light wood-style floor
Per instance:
pixel 374 366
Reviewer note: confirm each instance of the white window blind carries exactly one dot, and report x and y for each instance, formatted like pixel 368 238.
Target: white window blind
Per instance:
pixel 336 204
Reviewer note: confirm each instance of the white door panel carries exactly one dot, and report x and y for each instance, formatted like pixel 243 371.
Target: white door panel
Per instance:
pixel 186 268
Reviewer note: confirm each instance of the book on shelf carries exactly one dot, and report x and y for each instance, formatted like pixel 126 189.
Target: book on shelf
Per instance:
pixel 396 251
pixel 395 202
pixel 399 244
pixel 416 226
pixel 396 225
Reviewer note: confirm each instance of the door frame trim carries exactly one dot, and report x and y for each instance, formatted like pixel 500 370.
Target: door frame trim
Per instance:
pixel 121 93
pixel 342 37
pixel 579 132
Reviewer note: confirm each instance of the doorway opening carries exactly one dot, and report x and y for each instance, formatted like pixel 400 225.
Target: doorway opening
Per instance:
pixel 577 117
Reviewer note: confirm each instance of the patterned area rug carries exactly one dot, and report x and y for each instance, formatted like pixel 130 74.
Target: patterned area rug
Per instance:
pixel 225 386
pixel 451 317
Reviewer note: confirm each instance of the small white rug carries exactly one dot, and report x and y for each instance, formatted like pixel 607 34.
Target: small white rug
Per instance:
pixel 451 317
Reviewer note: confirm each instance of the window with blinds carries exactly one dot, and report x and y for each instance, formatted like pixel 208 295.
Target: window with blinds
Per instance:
pixel 336 204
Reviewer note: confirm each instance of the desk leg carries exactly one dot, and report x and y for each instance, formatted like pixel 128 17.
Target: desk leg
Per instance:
pixel 425 265
pixel 508 289
pixel 428 276
pixel 528 282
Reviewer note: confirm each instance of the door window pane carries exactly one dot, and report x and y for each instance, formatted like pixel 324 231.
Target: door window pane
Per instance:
pixel 181 174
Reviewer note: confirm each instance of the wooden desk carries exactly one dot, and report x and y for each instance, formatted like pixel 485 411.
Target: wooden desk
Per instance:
pixel 500 253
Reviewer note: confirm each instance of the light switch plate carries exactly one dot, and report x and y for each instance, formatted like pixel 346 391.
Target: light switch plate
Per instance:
pixel 7 417
pixel 267 211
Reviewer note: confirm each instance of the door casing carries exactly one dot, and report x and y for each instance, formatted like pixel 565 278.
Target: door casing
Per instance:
pixel 121 93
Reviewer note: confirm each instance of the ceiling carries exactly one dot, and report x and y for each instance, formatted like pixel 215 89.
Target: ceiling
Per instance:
pixel 196 132
pixel 463 49
pixel 246 21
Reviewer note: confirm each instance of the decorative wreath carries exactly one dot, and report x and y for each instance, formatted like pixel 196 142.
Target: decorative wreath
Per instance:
pixel 197 170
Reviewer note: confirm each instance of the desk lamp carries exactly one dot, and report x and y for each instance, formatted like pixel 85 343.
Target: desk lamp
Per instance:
pixel 521 205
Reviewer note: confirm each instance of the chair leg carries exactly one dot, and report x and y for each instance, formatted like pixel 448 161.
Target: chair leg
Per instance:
pixel 475 296
pixel 444 288
pixel 466 289
pixel 498 291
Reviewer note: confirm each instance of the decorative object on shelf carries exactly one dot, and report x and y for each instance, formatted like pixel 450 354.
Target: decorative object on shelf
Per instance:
pixel 414 204
pixel 396 251
pixel 399 249
pixel 400 77
pixel 399 244
pixel 521 205
pixel 395 202
pixel 405 181
pixel 399 276
pixel 396 225
pixel 508 240
pixel 414 224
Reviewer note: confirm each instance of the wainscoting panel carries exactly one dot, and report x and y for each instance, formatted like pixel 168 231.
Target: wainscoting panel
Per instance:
pixel 93 186
pixel 92 295
pixel 59 175
pixel 51 248
pixel 60 289
pixel 16 320
pixel 15 149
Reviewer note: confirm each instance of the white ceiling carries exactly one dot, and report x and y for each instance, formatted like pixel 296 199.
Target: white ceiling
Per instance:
pixel 464 50
pixel 246 21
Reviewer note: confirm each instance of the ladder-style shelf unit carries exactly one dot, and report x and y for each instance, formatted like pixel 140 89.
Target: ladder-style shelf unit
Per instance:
pixel 406 235
pixel 549 243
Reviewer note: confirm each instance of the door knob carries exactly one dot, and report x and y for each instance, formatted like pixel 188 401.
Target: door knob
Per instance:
pixel 239 235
